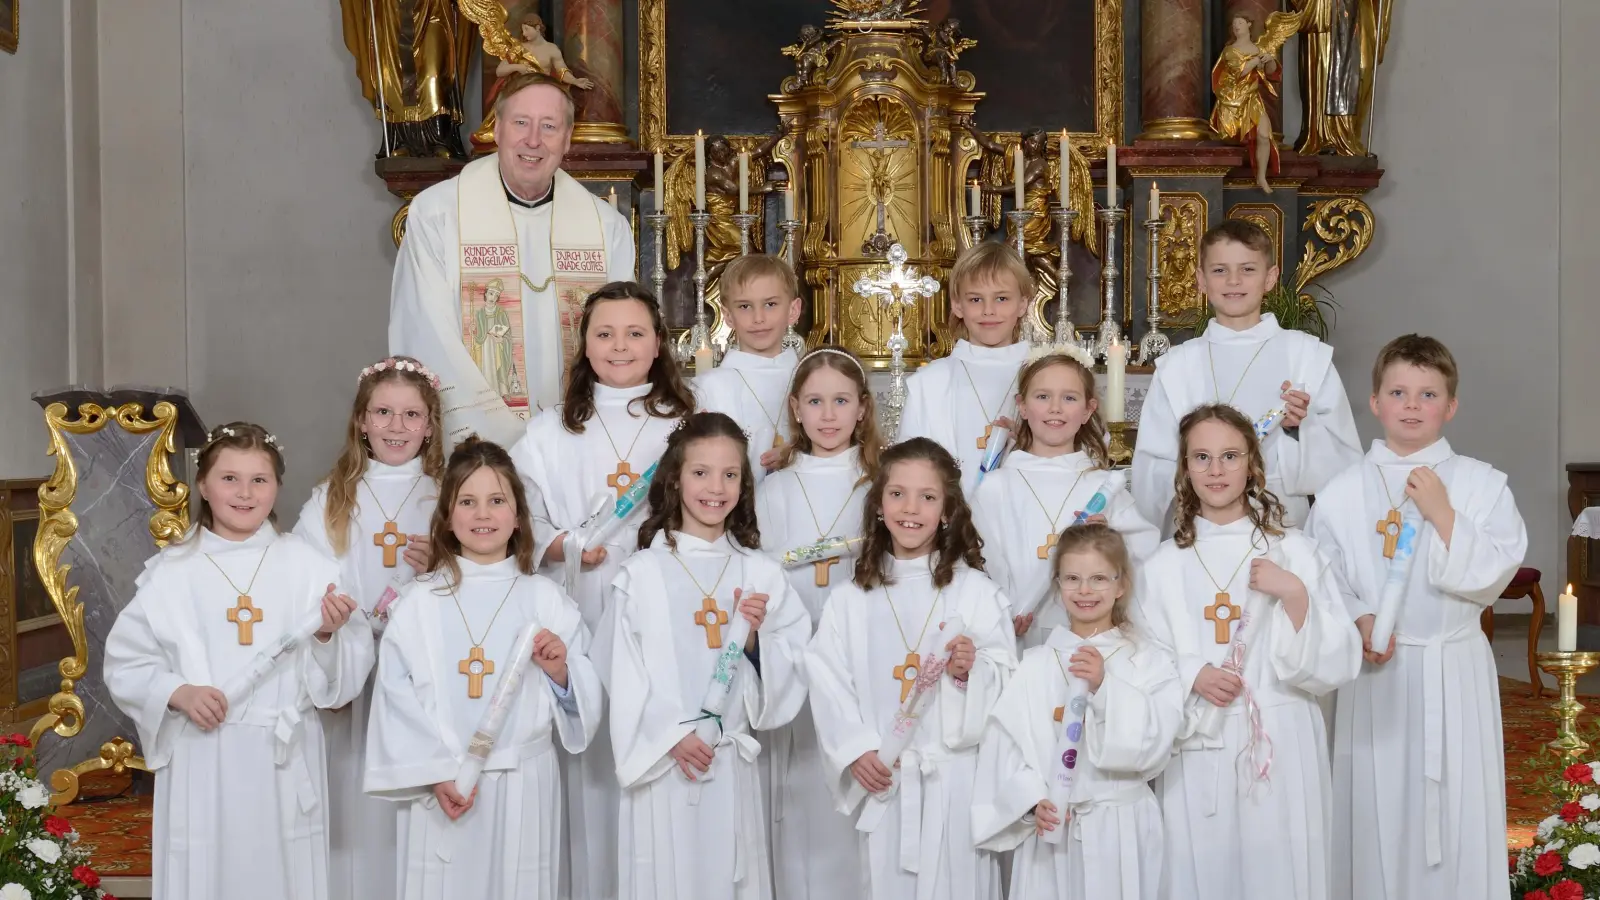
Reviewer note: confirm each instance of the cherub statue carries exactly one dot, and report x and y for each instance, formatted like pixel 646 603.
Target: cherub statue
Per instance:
pixel 811 54
pixel 722 199
pixel 943 46
pixel 1246 70
pixel 1041 174
pixel 539 55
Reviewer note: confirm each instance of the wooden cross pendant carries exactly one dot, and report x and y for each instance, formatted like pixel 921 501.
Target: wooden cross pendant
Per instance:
pixel 245 616
pixel 711 619
pixel 906 674
pixel 391 540
pixel 983 442
pixel 1048 545
pixel 475 667
pixel 622 479
pixel 821 568
pixel 1061 712
pixel 1222 614
pixel 777 441
pixel 1389 527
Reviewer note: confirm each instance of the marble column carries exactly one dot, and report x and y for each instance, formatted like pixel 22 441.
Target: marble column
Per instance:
pixel 1257 11
pixel 1174 71
pixel 593 45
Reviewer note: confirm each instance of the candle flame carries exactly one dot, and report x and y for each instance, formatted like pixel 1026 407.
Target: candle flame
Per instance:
pixel 1569 587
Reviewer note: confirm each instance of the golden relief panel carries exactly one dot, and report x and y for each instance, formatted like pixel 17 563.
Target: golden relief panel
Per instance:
pixel 1183 222
pixel 1266 216
pixel 865 324
pixel 879 198
pixel 1343 226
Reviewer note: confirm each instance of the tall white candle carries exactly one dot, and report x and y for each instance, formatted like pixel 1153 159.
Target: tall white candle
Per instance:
pixel 788 203
pixel 1155 201
pixel 612 198
pixel 661 182
pixel 1017 168
pixel 1567 621
pixel 1111 176
pixel 700 171
pixel 1066 166
pixel 703 361
pixel 744 181
pixel 1116 380
pixel 974 200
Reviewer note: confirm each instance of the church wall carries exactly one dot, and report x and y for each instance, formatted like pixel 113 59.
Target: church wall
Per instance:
pixel 1580 263
pixel 34 242
pixel 1468 126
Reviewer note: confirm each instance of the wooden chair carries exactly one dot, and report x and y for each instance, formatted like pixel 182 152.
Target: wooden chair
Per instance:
pixel 1524 584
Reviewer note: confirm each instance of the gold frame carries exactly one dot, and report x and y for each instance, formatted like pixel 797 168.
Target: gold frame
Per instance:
pixel 9 39
pixel 58 524
pixel 1110 107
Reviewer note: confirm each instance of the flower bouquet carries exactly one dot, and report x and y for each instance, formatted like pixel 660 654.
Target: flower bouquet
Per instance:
pixel 40 858
pixel 1564 861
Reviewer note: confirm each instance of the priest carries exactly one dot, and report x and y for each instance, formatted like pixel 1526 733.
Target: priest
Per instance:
pixel 495 266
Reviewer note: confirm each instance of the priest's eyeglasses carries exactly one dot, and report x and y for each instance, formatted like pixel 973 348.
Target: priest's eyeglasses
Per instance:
pixel 1231 460
pixel 410 420
pixel 1097 583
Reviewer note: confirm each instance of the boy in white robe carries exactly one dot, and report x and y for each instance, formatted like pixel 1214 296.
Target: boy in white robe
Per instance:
pixel 1115 743
pixel 241 789
pixel 1246 360
pixel 1418 757
pixel 761 303
pixel 1253 616
pixel 958 400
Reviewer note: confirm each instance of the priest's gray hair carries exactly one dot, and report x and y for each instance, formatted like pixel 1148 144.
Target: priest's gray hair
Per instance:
pixel 521 81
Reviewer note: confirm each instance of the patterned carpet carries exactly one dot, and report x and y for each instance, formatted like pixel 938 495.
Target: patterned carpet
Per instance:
pixel 113 823
pixel 1529 724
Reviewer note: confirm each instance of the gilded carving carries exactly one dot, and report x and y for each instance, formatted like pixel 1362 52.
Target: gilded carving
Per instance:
pixel 1343 226
pixel 397 225
pixel 1183 221
pixel 1266 216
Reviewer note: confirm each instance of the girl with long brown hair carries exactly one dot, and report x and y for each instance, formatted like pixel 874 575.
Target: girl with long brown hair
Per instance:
pixel 447 650
pixel 1253 615
pixel 1058 472
pixel 920 570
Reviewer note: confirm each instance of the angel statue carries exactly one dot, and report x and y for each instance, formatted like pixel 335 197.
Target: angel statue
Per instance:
pixel 538 55
pixel 722 200
pixel 411 59
pixel 1246 71
pixel 943 46
pixel 811 54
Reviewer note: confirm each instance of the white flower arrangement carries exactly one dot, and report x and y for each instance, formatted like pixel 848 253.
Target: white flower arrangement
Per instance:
pixel 14 891
pixel 399 365
pixel 33 796
pixel 1583 856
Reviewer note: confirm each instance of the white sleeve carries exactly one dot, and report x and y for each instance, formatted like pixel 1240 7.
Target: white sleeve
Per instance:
pixel 1006 788
pixel 915 418
pixel 1155 456
pixel 406 754
pixel 1324 532
pixel 842 735
pixel 1484 551
pixel 620 251
pixel 1135 715
pixel 1327 443
pixel 1325 654
pixel 142 675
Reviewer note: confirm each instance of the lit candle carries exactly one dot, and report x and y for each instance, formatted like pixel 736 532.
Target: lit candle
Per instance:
pixel 788 203
pixel 700 171
pixel 612 198
pixel 703 361
pixel 1111 176
pixel 744 181
pixel 1155 201
pixel 1116 380
pixel 1017 168
pixel 1567 621
pixel 661 181
pixel 1066 165
pixel 975 200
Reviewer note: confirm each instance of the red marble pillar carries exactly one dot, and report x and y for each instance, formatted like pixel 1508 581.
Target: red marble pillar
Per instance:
pixel 1257 11
pixel 593 45
pixel 1174 71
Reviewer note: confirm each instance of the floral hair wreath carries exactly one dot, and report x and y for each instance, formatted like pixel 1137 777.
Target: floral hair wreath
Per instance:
pixel 684 423
pixel 399 365
pixel 270 440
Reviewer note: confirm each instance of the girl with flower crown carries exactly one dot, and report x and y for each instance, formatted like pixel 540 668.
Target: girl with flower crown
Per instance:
pixel 370 515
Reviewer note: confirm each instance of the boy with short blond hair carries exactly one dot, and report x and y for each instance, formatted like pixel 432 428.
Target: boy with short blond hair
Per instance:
pixel 760 303
pixel 1246 360
pixel 1418 761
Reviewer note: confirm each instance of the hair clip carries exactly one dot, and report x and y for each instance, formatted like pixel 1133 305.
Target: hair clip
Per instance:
pixel 399 365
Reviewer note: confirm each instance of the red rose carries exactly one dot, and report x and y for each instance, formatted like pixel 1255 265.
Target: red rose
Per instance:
pixel 1571 811
pixel 57 826
pixel 1536 895
pixel 1579 773
pixel 20 741
pixel 1547 863
pixel 1567 890
pixel 91 880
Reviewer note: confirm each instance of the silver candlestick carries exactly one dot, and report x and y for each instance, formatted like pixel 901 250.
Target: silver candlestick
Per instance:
pixel 976 226
pixel 658 225
pixel 1154 343
pixel 1110 277
pixel 701 336
pixel 1064 218
pixel 744 221
pixel 1017 219
pixel 791 243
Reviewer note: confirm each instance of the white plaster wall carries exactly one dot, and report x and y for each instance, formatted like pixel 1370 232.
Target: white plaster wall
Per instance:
pixel 33 236
pixel 1580 263
pixel 1468 126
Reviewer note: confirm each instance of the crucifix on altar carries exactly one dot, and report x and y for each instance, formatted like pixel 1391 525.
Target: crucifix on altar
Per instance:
pixel 894 288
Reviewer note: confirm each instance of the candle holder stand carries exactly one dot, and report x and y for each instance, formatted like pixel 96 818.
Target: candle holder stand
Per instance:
pixel 701 336
pixel 1118 450
pixel 1566 666
pixel 1064 336
pixel 791 245
pixel 745 221
pixel 977 227
pixel 658 275
pixel 1111 276
pixel 1154 344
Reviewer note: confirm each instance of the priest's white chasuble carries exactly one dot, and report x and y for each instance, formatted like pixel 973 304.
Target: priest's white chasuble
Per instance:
pixel 361 851
pixel 1247 369
pixel 1418 756
pixel 753 391
pixel 1020 511
pixel 573 475
pixel 1113 846
pixel 1232 830
pixel 923 847
pixel 954 400
pixel 813 845
pixel 487 293
pixel 240 811
pixel 705 839
pixel 508 845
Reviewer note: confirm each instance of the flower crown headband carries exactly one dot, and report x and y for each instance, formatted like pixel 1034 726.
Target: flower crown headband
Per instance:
pixel 270 440
pixel 828 351
pixel 399 365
